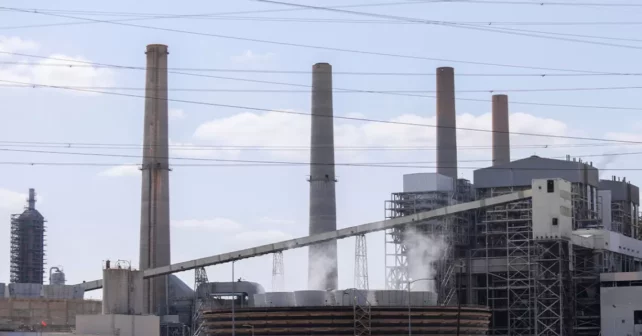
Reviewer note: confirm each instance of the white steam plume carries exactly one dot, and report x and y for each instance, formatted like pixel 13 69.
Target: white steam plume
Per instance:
pixel 423 252
pixel 322 266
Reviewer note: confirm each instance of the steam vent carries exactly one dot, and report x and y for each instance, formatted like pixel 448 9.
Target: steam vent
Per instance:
pixel 335 312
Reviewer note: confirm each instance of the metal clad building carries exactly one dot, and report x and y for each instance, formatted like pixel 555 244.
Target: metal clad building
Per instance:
pixel 523 172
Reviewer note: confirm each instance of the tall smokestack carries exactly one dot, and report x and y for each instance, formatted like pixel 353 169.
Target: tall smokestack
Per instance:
pixel 446 123
pixel 154 216
pixel 31 202
pixel 322 258
pixel 501 138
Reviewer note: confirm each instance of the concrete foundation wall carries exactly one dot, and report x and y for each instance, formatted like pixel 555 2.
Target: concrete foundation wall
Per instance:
pixel 618 306
pixel 122 325
pixel 57 314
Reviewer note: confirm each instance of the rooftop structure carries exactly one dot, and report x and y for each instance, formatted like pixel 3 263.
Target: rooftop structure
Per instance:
pixel 28 244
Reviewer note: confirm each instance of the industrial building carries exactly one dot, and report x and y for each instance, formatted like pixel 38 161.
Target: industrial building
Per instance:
pixel 530 247
pixel 534 282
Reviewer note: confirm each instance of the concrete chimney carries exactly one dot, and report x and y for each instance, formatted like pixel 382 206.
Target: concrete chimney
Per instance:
pixel 154 217
pixel 322 258
pixel 501 137
pixel 446 123
pixel 31 202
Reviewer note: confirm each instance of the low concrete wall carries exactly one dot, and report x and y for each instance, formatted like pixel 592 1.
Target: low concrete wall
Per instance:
pixel 122 325
pixel 59 315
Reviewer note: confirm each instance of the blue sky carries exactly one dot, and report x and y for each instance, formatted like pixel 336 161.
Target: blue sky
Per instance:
pixel 93 212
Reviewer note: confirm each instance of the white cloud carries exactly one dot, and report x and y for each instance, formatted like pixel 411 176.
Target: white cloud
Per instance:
pixel 15 44
pixel 250 57
pixel 176 114
pixel 11 200
pixel 50 73
pixel 276 129
pixel 120 171
pixel 59 70
pixel 216 224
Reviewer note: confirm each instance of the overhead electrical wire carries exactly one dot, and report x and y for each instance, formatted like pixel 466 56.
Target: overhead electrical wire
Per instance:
pixel 191 147
pixel 621 108
pixel 553 3
pixel 222 16
pixel 183 16
pixel 299 45
pixel 333 117
pixel 264 163
pixel 509 31
pixel 119 88
pixel 82 64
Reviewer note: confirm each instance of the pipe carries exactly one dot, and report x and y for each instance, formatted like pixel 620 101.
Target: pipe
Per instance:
pixel 323 207
pixel 501 136
pixel 446 123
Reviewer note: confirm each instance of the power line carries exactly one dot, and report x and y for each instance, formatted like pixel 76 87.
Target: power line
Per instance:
pixel 83 64
pixel 621 108
pixel 299 45
pixel 220 17
pixel 188 16
pixel 120 88
pixel 509 31
pixel 293 163
pixel 89 145
pixel 554 3
pixel 345 117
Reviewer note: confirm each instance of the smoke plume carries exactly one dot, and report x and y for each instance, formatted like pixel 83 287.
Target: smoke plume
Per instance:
pixel 423 252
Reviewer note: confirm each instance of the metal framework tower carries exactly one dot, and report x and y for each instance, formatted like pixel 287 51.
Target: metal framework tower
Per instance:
pixel 361 263
pixel 27 264
pixel 201 298
pixel 278 272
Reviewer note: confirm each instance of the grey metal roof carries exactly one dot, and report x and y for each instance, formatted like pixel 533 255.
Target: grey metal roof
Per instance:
pixel 621 191
pixel 522 172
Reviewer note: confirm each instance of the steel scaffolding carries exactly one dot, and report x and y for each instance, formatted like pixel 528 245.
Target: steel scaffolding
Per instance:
pixel 27 258
pixel 504 237
pixel 453 230
pixel 361 263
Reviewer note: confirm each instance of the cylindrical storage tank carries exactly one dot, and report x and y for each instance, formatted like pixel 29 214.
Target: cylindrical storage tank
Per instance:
pixel 122 292
pixel 259 300
pixel 312 298
pixel 347 297
pixel 392 298
pixel 57 278
pixel 280 299
pixel 418 299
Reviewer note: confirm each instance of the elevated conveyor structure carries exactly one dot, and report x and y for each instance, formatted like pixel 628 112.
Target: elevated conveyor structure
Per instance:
pixel 324 237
